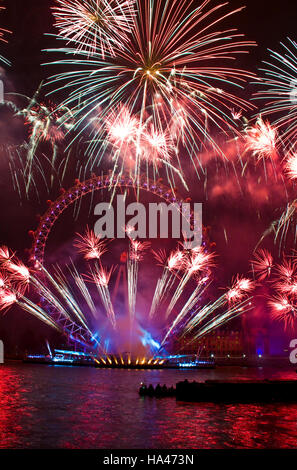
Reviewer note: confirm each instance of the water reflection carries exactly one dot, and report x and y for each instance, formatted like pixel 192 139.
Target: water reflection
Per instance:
pixel 67 407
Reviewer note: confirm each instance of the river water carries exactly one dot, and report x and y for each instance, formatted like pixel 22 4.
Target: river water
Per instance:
pixel 76 407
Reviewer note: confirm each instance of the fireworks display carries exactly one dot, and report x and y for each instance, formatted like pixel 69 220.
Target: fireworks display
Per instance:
pixel 280 92
pixel 151 92
pixel 281 281
pixel 66 298
pixel 148 241
pixel 161 89
pixel 95 24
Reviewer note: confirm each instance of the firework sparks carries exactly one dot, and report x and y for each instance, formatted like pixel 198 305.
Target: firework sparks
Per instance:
pixel 198 261
pixel 45 124
pixel 20 273
pixel 175 261
pixel 5 254
pixel 171 267
pixel 136 253
pixel 260 139
pixel 219 318
pixel 95 24
pixel 286 278
pixel 90 245
pixel 195 263
pixel 137 250
pixel 230 305
pixel 237 115
pixel 10 295
pixel 240 288
pixel 263 264
pixel 283 284
pixel 284 310
pixel 156 146
pixel 122 127
pixel 280 93
pixel 93 248
pixel 65 299
pixel 133 142
pixel 101 278
pixel 14 269
pixel 291 166
pixel 286 271
pixel 7 299
pixel 172 97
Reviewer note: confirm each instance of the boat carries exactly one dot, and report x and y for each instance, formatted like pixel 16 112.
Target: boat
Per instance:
pixel 61 357
pixel 189 362
pixel 75 358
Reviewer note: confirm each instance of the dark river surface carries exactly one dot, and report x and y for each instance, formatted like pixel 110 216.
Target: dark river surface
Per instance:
pixel 76 407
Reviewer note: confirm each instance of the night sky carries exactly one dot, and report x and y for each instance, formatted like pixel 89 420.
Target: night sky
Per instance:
pixel 266 22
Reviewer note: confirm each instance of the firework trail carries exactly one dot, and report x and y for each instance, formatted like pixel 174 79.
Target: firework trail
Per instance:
pixel 219 319
pixel 82 287
pixel 21 275
pixel 3 32
pixel 60 284
pixel 281 226
pixel 55 291
pixel 197 261
pixel 101 278
pixel 94 24
pixel 65 298
pixel 187 307
pixel 136 253
pixel 280 95
pixel 285 171
pixel 14 278
pixel 8 298
pixel 72 311
pixel 233 299
pixel 93 249
pixel 46 124
pixel 171 268
pixel 165 79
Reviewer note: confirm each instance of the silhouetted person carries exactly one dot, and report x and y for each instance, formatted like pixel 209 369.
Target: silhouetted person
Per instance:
pixel 151 390
pixel 164 390
pixel 158 390
pixel 143 390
